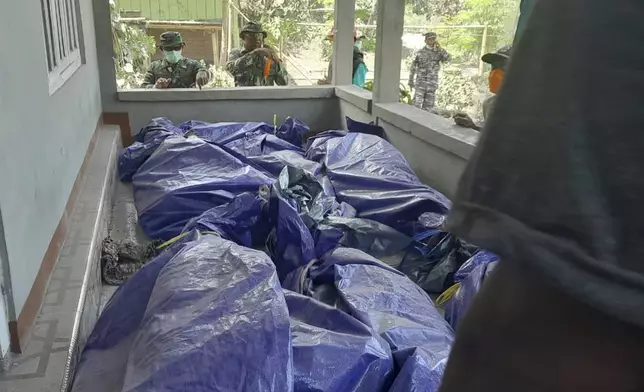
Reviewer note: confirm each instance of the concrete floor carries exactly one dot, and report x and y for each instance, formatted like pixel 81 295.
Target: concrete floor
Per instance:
pixel 41 366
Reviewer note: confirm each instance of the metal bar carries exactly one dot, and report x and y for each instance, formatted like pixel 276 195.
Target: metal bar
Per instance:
pixel 363 26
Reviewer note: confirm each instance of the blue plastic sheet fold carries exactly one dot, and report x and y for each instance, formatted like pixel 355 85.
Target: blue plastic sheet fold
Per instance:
pixel 371 175
pixel 206 315
pixel 354 239
pixel 470 276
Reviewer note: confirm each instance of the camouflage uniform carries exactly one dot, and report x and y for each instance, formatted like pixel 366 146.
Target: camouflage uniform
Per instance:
pixel 182 74
pixel 425 68
pixel 248 69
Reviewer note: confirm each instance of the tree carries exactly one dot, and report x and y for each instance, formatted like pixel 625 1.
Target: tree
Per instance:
pixel 133 49
pixel 280 18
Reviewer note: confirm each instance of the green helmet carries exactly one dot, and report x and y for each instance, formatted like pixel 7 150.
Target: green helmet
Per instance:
pixel 252 27
pixel 170 39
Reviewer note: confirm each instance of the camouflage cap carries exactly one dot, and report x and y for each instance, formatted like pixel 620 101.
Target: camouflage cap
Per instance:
pixel 170 39
pixel 431 35
pixel 500 58
pixel 252 27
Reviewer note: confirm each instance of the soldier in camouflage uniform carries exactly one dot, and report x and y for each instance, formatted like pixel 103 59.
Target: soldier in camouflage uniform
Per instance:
pixel 175 71
pixel 248 65
pixel 423 75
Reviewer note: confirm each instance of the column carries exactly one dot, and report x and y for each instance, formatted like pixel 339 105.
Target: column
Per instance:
pixel 391 19
pixel 344 25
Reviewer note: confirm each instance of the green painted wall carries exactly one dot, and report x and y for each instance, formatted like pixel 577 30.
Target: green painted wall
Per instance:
pixel 206 10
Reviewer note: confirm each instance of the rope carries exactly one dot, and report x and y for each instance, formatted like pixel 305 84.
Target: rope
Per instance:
pixel 447 294
pixel 304 273
pixel 182 235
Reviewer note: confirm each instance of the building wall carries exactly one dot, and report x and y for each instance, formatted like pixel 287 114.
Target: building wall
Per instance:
pixel 435 166
pixel 174 9
pixel 320 114
pixel 43 140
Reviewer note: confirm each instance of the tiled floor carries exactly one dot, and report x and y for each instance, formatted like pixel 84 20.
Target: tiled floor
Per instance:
pixel 42 365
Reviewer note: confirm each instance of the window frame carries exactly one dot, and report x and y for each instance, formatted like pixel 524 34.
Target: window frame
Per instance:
pixel 63 40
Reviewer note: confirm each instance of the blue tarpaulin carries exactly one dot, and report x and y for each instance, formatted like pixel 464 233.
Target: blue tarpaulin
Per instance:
pixel 334 352
pixel 346 223
pixel 372 176
pixel 185 177
pixel 470 278
pixel 206 315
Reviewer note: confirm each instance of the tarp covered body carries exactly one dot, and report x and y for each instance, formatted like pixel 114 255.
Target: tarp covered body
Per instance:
pixel 372 176
pixel 206 315
pixel 346 223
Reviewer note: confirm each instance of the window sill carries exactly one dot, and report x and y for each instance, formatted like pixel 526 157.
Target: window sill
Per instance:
pixel 58 78
pixel 226 94
pixel 356 96
pixel 429 127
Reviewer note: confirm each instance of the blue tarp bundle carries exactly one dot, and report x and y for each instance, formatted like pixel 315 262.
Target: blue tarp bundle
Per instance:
pixel 182 171
pixel 470 278
pixel 340 220
pixel 185 177
pixel 206 315
pixel 334 352
pixel 388 302
pixel 371 175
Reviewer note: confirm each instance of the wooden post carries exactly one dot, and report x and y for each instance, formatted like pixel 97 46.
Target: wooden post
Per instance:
pixel 483 50
pixel 225 32
pixel 216 55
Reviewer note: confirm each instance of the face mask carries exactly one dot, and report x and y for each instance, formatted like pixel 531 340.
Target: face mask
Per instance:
pixel 495 79
pixel 359 44
pixel 173 56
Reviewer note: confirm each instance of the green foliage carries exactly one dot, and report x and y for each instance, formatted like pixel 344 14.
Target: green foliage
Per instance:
pixel 460 91
pixel 219 77
pixel 133 49
pixel 499 15
pixel 405 93
pixel 435 8
pixel 461 87
pixel 280 19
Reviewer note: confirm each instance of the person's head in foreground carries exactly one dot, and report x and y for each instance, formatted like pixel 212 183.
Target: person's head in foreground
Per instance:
pixel 171 44
pixel 253 35
pixel 499 61
pixel 430 39
pixel 356 35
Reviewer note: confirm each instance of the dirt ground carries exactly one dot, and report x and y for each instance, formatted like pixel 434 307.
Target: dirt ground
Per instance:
pixel 307 67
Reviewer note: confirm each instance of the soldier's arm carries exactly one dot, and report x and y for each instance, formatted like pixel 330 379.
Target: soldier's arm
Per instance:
pixel 149 80
pixel 445 57
pixel 413 69
pixel 238 62
pixel 281 76
pixel 196 68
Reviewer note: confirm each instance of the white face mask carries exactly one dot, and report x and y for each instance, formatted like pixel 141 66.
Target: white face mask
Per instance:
pixel 173 56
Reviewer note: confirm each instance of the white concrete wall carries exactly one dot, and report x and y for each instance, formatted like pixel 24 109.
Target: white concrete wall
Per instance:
pixel 319 114
pixel 436 148
pixel 316 106
pixel 43 138
pixel 435 166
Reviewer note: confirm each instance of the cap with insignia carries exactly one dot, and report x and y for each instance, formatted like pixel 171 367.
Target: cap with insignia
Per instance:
pixel 170 39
